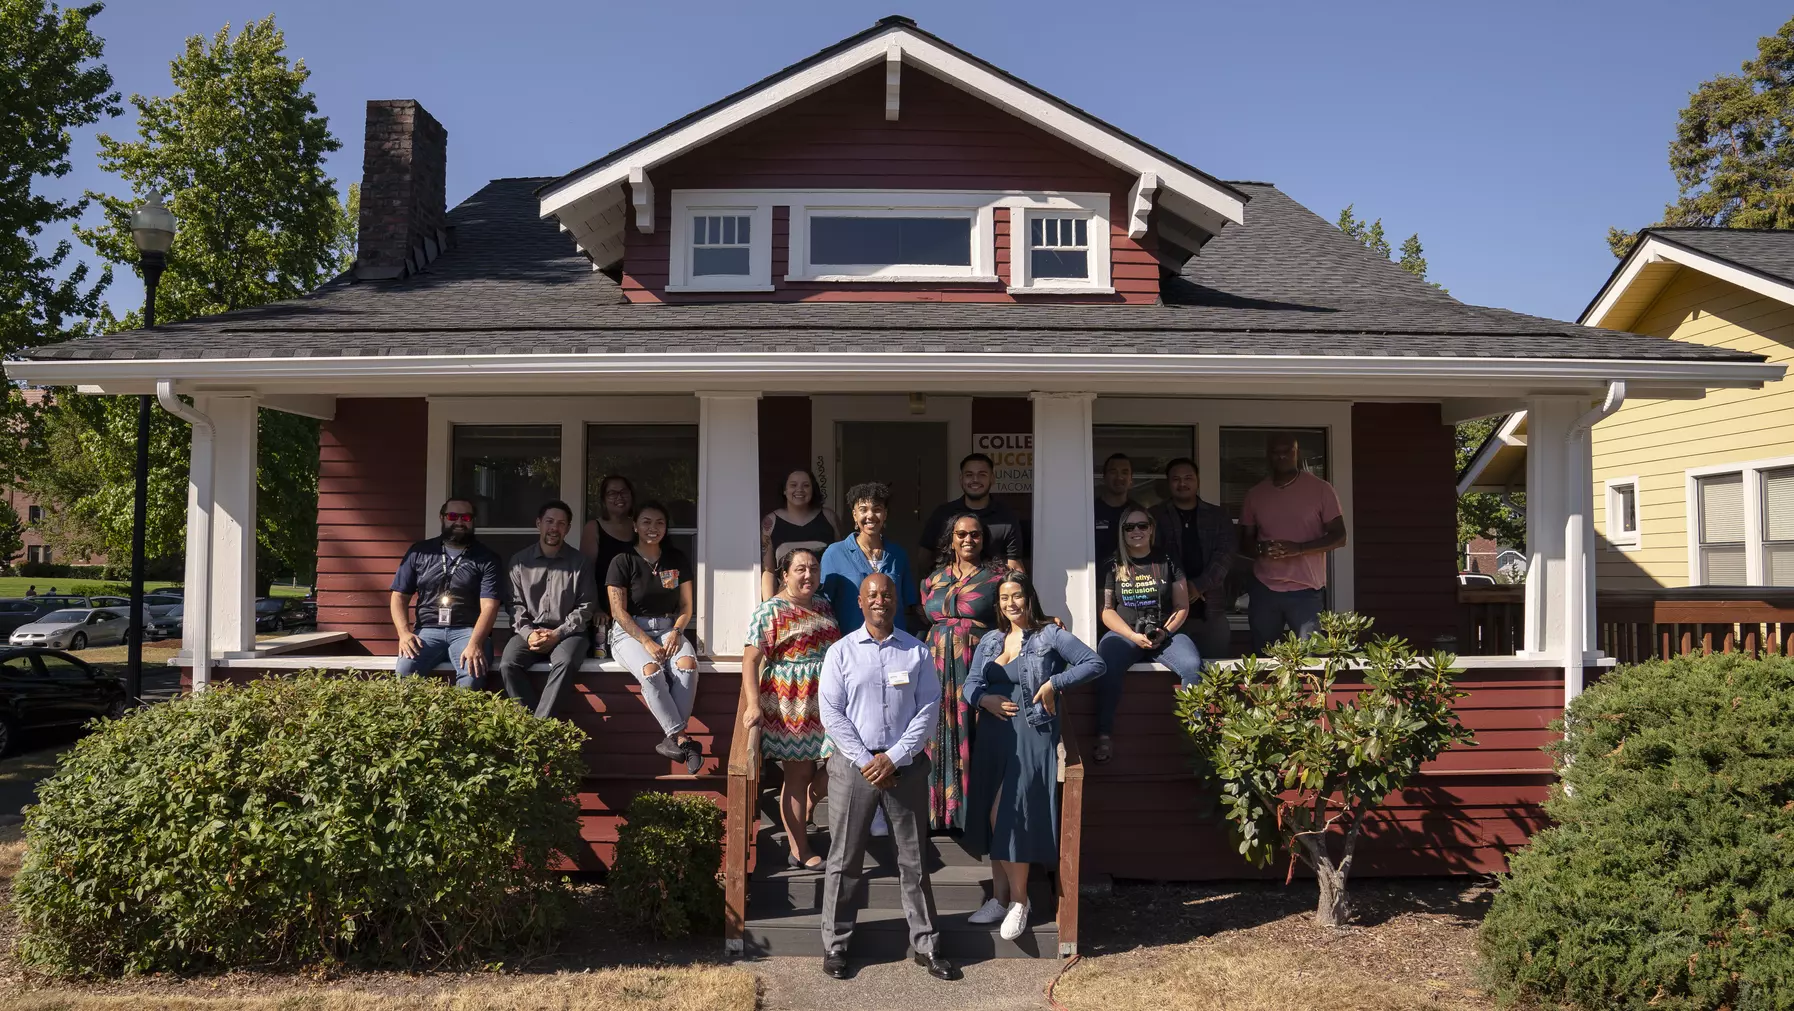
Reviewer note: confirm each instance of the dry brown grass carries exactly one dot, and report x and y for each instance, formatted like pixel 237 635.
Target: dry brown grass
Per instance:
pixel 705 988
pixel 1254 948
pixel 12 850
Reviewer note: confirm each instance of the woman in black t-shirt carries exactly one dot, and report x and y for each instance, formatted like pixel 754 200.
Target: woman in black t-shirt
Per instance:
pixel 1145 602
pixel 650 591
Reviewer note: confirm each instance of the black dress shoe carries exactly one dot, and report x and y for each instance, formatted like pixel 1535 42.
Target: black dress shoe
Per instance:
pixel 937 966
pixel 835 964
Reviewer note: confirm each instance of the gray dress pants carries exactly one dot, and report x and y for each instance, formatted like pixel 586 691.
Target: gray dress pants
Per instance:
pixel 851 802
pixel 513 668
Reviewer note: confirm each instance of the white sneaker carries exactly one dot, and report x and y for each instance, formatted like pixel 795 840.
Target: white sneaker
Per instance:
pixel 880 827
pixel 990 912
pixel 1015 922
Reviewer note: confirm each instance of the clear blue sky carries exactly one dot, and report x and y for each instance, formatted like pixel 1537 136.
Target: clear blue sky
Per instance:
pixel 1510 135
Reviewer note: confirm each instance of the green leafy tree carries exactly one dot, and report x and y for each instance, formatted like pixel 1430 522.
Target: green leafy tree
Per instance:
pixel 240 148
pixel 12 533
pixel 1370 233
pixel 1301 761
pixel 1486 514
pixel 51 83
pixel 1733 153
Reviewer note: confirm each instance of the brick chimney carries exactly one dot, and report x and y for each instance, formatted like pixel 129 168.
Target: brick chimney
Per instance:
pixel 404 184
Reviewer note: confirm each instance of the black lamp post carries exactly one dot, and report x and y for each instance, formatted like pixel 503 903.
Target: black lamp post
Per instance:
pixel 152 230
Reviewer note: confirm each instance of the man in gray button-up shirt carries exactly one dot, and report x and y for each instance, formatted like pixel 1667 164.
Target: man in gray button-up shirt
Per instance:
pixel 552 594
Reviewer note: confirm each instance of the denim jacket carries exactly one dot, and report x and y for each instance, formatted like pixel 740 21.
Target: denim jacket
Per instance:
pixel 1051 653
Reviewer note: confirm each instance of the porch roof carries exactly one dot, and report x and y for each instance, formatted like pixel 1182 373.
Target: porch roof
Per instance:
pixel 1285 285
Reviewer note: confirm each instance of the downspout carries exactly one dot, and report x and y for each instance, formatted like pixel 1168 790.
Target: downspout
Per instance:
pixel 198 607
pixel 1578 484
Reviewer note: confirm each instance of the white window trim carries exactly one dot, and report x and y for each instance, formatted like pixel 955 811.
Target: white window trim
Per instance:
pixel 1753 514
pixel 686 204
pixel 980 205
pixel 1617 538
pixel 1210 416
pixel 1021 260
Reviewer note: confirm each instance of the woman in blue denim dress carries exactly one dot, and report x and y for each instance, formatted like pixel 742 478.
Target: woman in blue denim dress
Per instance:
pixel 1014 682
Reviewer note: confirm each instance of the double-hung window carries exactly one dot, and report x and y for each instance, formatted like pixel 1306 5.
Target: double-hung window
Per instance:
pixel 720 248
pixel 720 245
pixel 1741 524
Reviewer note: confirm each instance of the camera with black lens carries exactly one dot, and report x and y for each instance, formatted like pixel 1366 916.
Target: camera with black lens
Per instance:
pixel 1151 627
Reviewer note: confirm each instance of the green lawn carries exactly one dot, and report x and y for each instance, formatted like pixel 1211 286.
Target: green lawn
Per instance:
pixel 15 586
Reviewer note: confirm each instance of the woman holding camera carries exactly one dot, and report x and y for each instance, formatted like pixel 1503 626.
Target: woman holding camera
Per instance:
pixel 1015 680
pixel 1145 602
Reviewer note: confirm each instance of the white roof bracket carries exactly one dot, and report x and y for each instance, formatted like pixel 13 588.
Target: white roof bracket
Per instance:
pixel 641 196
pixel 893 79
pixel 1140 204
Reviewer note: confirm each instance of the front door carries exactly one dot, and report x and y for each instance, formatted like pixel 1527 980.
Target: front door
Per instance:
pixel 910 457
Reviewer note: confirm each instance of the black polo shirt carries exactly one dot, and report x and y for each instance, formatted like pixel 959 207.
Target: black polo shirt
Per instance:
pixel 430 569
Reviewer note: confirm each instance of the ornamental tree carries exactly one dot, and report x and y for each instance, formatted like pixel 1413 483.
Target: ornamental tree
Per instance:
pixel 1302 761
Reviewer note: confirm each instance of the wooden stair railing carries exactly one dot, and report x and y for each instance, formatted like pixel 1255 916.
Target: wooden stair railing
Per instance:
pixel 1071 838
pixel 741 817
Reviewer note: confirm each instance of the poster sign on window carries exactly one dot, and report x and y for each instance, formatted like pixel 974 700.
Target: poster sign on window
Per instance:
pixel 1013 455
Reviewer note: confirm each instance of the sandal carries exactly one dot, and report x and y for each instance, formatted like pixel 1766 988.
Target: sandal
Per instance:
pixel 1104 750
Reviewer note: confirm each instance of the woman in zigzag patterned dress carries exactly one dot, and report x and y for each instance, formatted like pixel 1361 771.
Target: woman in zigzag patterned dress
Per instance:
pixel 781 669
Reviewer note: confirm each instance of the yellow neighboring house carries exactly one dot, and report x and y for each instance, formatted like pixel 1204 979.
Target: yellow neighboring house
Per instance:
pixel 1695 492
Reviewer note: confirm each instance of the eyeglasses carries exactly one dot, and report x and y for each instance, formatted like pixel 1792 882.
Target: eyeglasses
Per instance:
pixel 458 517
pixel 617 493
pixel 1134 528
pixel 967 534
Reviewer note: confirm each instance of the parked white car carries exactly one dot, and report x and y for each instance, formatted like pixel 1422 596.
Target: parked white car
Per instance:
pixel 74 629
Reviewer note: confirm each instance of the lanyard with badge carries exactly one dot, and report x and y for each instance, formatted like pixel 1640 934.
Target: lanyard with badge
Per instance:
pixel 445 604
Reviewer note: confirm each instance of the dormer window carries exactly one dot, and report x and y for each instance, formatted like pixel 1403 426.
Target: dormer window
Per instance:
pixel 723 241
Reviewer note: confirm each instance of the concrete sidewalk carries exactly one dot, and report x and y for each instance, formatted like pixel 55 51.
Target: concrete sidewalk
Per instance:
pixel 999 984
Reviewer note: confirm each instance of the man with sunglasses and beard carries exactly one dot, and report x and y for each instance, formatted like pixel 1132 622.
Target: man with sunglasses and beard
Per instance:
pixel 457 582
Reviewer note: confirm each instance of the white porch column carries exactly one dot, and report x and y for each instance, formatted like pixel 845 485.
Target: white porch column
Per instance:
pixel 1065 509
pixel 233 520
pixel 1559 485
pixel 728 585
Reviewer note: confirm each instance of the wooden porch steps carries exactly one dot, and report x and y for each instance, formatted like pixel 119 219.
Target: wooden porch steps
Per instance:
pixel 784 906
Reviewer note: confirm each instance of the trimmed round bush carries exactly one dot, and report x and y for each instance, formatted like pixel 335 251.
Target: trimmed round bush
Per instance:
pixel 664 878
pixel 1667 881
pixel 297 821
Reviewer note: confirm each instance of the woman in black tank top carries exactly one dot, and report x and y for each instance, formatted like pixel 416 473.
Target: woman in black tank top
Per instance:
pixel 802 523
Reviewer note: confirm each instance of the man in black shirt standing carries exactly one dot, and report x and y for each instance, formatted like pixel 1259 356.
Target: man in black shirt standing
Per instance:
pixel 457 582
pixel 1118 489
pixel 976 474
pixel 1203 540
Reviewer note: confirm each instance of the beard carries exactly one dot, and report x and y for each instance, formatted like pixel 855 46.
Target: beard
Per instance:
pixel 457 535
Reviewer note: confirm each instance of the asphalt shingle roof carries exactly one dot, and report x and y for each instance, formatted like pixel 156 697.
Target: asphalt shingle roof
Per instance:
pixel 1286 282
pixel 1766 251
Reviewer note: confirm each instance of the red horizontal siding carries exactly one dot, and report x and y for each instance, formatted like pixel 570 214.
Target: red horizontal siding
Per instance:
pixel 370 509
pixel 1147 816
pixel 1404 520
pixel 839 138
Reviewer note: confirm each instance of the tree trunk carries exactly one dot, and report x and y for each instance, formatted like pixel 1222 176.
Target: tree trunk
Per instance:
pixel 1333 909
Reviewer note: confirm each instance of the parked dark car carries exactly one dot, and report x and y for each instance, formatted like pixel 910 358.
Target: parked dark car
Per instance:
pixel 167 624
pixel 48 688
pixel 18 611
pixel 277 614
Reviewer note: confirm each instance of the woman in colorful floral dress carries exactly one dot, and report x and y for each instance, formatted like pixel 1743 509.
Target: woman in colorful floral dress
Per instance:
pixel 781 668
pixel 960 598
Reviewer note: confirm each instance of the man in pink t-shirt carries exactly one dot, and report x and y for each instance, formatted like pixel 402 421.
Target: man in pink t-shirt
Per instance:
pixel 1288 523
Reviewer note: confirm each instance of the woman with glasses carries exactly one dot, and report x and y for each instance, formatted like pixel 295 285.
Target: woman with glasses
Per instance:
pixel 802 522
pixel 650 592
pixel 960 600
pixel 613 532
pixel 1017 676
pixel 1145 602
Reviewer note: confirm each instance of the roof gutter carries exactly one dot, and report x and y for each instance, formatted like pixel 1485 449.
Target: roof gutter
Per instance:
pixel 197 611
pixel 1578 482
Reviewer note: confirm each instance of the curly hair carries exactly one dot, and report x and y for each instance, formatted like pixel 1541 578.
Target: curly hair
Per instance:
pixel 869 491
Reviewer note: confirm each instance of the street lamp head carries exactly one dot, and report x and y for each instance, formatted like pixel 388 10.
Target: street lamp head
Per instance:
pixel 152 226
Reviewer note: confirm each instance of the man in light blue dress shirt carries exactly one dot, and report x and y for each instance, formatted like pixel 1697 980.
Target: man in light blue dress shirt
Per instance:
pixel 880 698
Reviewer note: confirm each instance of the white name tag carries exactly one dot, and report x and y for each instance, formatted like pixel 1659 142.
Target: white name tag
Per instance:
pixel 898 677
pixel 442 615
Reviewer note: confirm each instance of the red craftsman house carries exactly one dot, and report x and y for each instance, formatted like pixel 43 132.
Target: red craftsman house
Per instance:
pixel 869 263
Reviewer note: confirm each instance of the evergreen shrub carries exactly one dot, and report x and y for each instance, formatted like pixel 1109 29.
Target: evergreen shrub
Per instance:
pixel 1667 881
pixel 664 877
pixel 300 821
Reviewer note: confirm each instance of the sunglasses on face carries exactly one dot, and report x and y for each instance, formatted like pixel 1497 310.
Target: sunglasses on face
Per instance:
pixel 966 534
pixel 1134 528
pixel 458 517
